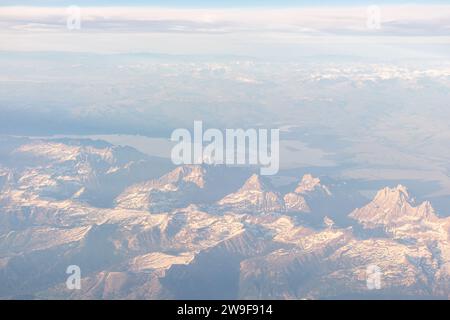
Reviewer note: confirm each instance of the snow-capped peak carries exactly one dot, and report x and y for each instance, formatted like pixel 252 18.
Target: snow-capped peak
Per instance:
pixel 188 173
pixel 393 206
pixel 309 184
pixel 254 196
pixel 255 182
pixel 397 195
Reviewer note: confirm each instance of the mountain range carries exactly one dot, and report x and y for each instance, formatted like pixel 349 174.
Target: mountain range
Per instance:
pixel 140 228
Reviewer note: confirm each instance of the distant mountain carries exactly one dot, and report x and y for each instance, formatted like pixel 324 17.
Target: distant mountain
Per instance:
pixel 255 196
pixel 91 171
pixel 258 195
pixel 173 190
pixel 306 191
pixel 182 186
pixel 311 184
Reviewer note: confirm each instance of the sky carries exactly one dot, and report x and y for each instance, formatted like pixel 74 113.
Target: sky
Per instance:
pixel 215 3
pixel 271 29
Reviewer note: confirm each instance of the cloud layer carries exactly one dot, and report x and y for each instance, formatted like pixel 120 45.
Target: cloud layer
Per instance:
pixel 394 20
pixel 223 31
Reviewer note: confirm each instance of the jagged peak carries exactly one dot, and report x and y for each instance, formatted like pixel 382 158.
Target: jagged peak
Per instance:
pixel 310 183
pixel 186 173
pixel 256 182
pixel 426 210
pixel 394 205
pixel 398 195
pixel 309 177
pixel 402 188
